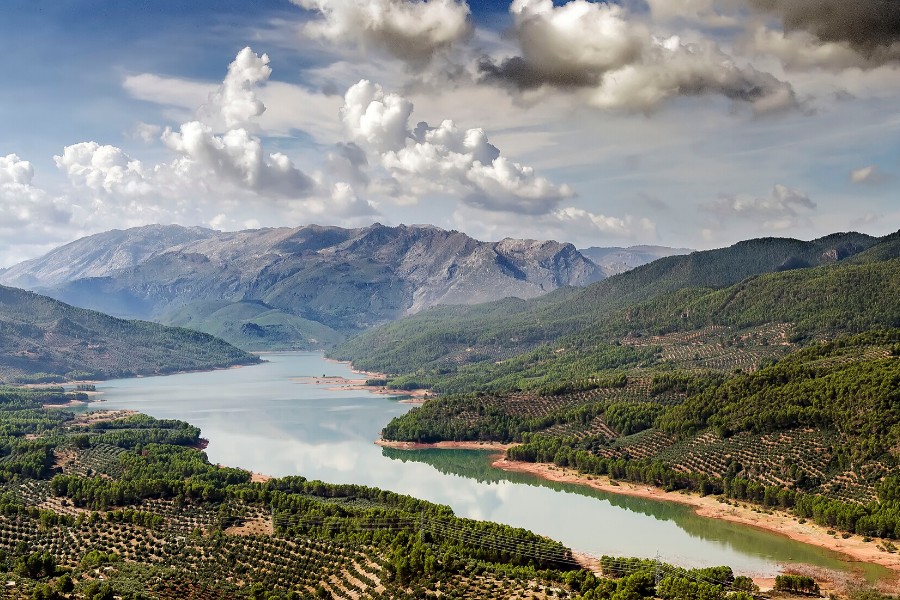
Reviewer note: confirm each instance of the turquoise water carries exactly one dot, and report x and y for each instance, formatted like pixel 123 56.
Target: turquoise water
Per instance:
pixel 270 419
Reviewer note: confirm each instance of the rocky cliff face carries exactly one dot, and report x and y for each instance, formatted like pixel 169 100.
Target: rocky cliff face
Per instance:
pixel 347 279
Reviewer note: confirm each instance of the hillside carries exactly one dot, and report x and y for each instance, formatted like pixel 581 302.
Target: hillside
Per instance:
pixel 820 425
pixel 606 310
pixel 253 325
pixel 42 337
pixel 346 280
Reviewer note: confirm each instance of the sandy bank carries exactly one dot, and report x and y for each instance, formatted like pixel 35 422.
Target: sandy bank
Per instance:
pixel 495 446
pixel 782 523
pixel 368 374
pixel 340 384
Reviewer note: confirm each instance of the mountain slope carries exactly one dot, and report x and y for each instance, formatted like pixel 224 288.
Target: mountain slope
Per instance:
pixel 98 255
pixel 42 335
pixel 253 325
pixel 344 279
pixel 398 347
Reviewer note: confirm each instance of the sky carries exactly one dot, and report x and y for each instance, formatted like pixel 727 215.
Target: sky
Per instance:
pixel 686 123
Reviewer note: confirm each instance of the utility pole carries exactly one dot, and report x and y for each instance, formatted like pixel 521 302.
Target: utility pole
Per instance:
pixel 656 574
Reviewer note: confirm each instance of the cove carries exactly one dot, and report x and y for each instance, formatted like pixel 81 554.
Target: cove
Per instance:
pixel 273 419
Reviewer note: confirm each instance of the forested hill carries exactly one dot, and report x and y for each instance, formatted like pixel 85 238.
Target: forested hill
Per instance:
pixel 42 339
pixel 663 290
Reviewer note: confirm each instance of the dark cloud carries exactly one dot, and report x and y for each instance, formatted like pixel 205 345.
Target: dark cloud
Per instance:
pixel 869 26
pixel 615 61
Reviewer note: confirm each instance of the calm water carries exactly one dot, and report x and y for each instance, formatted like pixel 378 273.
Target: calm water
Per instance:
pixel 270 420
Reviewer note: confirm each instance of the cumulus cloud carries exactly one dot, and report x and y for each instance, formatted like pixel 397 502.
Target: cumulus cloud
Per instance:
pixel 870 174
pixel 237 157
pixel 222 173
pixel 442 159
pixel 412 30
pixel 235 103
pixel 27 212
pixel 616 61
pixel 782 209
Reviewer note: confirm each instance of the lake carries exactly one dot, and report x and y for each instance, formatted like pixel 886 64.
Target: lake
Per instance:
pixel 270 419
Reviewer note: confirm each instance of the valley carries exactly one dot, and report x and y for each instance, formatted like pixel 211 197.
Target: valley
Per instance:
pixel 744 419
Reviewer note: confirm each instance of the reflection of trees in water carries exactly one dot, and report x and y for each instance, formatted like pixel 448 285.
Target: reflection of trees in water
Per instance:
pixel 476 464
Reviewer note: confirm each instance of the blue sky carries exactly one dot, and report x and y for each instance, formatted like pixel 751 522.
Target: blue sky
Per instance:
pixel 691 123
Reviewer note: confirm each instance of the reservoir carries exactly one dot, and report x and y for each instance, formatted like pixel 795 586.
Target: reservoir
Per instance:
pixel 275 419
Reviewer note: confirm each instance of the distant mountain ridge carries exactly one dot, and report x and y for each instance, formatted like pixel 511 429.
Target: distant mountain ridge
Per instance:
pixel 99 255
pixel 345 279
pixel 616 260
pixel 499 330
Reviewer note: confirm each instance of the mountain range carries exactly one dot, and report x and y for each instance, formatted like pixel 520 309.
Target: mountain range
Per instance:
pixel 710 288
pixel 301 288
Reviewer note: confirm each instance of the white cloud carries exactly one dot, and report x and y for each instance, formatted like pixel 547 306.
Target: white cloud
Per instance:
pixel 442 159
pixel 14 170
pixel 236 157
pixel 576 225
pixel 29 217
pixel 144 131
pixel 782 209
pixel 614 61
pixel 90 165
pixel 412 30
pixel 870 174
pixel 170 91
pixel 235 103
pixel 628 227
pixel 220 178
pixel 288 107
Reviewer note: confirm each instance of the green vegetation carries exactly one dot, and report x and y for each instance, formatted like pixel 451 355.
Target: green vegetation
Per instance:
pixel 116 504
pixel 253 326
pixel 45 341
pixel 440 338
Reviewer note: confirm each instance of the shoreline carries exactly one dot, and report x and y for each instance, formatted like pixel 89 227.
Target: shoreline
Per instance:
pixel 780 523
pixel 369 374
pixel 852 549
pixel 417 396
pixel 139 376
pixel 494 446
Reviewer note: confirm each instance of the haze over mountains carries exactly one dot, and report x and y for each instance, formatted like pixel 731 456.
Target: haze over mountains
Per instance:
pixel 306 287
pixel 615 260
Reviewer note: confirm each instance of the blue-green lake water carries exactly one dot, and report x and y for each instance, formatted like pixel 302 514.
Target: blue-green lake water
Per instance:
pixel 270 419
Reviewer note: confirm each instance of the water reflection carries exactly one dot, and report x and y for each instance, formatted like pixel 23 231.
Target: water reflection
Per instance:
pixel 269 420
